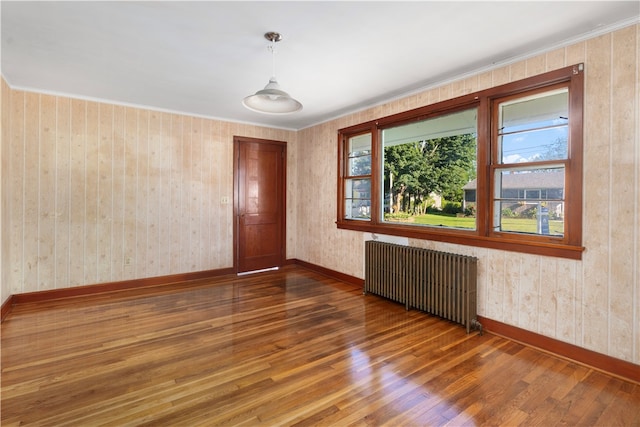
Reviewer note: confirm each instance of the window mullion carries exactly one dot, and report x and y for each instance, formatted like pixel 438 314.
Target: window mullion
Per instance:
pixel 483 195
pixel 376 176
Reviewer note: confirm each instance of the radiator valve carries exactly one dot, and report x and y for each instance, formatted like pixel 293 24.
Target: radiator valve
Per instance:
pixel 476 325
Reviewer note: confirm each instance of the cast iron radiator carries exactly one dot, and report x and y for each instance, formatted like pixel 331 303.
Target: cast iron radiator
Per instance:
pixel 439 283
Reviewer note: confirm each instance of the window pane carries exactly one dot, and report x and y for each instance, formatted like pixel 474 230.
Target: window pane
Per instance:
pixel 357 209
pixel 360 165
pixel 534 128
pixel 530 201
pixel 359 145
pixel 358 188
pixel 359 155
pixel 427 167
pixel 358 199
pixel 533 218
pixel 536 111
pixel 536 145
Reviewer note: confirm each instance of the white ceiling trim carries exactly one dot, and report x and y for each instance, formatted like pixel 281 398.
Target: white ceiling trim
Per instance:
pixel 604 29
pixel 139 106
pixel 496 65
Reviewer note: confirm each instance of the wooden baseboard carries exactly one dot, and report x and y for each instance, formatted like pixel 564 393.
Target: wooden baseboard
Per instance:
pixel 330 273
pixel 6 307
pixel 99 288
pixel 611 365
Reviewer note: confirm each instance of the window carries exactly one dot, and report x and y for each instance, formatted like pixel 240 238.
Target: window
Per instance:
pixel 426 165
pixel 358 178
pixel 501 168
pixel 531 142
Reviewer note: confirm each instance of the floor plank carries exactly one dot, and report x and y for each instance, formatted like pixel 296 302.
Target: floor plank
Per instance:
pixel 289 347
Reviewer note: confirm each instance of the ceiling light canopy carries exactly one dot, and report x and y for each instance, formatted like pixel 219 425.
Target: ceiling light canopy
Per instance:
pixel 272 99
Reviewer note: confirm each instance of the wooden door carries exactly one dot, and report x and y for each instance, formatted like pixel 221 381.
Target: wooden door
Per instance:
pixel 259 203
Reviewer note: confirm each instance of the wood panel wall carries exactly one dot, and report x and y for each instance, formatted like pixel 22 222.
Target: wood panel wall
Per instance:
pixel 5 291
pixel 593 303
pixel 102 193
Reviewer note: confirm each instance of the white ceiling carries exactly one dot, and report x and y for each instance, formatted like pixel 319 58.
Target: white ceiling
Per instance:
pixel 202 58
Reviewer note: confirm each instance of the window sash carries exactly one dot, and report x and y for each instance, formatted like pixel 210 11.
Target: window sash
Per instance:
pixel 518 204
pixel 428 141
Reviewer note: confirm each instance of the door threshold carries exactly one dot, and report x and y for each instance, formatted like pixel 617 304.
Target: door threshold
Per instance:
pixel 244 273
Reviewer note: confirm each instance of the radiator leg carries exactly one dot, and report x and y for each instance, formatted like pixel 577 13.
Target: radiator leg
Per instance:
pixel 476 325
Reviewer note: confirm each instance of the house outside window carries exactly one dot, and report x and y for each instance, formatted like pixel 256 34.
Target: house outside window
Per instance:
pixel 522 194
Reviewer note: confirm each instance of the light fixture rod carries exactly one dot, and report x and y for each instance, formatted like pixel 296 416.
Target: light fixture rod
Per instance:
pixel 272 48
pixel 274 38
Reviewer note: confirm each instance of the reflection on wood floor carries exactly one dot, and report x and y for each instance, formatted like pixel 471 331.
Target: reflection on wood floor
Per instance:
pixel 289 347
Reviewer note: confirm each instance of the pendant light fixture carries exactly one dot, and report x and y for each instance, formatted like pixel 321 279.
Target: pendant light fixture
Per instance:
pixel 272 99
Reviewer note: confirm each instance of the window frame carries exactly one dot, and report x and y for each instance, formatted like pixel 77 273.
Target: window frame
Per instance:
pixel 496 164
pixel 567 246
pixel 349 177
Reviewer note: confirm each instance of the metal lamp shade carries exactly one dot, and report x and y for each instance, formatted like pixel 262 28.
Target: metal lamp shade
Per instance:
pixel 272 100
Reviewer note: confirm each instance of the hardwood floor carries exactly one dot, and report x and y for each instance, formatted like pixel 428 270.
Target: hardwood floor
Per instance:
pixel 282 348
